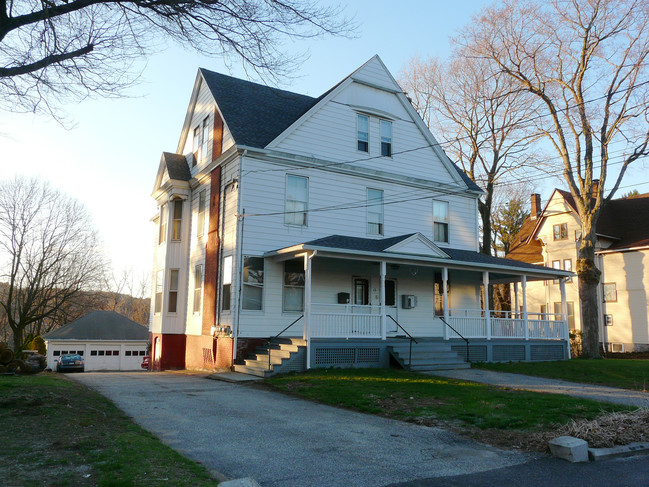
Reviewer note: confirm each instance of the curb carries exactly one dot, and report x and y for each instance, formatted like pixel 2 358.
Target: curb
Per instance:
pixel 638 448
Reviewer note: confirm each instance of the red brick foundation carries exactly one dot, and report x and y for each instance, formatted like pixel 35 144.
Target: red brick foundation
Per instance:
pixel 208 353
pixel 167 351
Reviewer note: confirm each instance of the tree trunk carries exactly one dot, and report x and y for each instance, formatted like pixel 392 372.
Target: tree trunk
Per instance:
pixel 588 275
pixel 18 338
pixel 485 215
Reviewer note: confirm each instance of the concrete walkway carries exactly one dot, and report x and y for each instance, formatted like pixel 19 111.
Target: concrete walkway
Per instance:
pixel 243 430
pixel 554 386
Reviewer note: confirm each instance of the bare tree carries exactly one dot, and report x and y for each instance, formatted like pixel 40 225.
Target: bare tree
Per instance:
pixel 48 254
pixel 585 61
pixel 483 120
pixel 70 49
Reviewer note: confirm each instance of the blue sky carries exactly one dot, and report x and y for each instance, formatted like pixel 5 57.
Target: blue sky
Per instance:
pixel 110 158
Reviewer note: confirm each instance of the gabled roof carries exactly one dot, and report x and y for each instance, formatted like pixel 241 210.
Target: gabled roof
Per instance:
pixel 177 167
pixel 255 113
pixel 524 249
pixel 100 325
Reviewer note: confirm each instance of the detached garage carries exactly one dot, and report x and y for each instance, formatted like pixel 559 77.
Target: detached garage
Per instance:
pixel 105 339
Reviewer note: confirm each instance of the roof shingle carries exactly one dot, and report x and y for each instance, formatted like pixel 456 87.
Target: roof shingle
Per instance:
pixel 100 325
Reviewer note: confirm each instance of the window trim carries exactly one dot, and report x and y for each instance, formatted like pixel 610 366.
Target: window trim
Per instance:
pixel 562 236
pixel 286 201
pixel 205 137
pixel 158 292
pixel 245 284
pixel 227 281
pixel 369 211
pixel 447 222
pixel 358 132
pixel 162 224
pixel 198 271
pixel 200 224
pixel 177 237
pixel 390 143
pixel 173 290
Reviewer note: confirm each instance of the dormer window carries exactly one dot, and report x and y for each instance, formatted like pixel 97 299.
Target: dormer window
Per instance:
pixel 386 138
pixel 363 132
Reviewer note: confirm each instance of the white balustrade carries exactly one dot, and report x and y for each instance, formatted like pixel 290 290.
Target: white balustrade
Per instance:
pixel 471 323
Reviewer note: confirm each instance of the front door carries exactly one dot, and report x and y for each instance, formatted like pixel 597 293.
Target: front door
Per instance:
pixel 391 304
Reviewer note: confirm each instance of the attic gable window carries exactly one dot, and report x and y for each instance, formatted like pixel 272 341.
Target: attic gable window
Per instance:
pixel 560 231
pixel 205 136
pixel 196 145
pixel 386 138
pixel 363 132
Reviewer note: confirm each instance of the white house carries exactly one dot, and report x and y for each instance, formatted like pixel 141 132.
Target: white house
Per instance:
pixel 105 339
pixel 340 216
pixel 551 236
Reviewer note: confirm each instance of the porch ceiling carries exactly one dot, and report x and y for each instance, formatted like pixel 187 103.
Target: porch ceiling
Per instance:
pixel 357 248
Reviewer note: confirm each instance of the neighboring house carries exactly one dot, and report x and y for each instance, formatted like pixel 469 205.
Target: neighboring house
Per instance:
pixel 551 237
pixel 107 341
pixel 340 214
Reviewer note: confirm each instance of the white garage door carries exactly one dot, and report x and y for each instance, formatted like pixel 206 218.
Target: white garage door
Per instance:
pixel 103 357
pixel 133 356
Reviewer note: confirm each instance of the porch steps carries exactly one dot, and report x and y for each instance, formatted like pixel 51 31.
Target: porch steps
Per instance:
pixel 286 354
pixel 428 356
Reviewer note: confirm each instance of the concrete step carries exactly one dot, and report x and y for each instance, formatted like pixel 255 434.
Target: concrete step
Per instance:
pixel 417 353
pixel 299 342
pixel 244 369
pixel 263 360
pixel 427 368
pixel 425 361
pixel 274 352
pixel 422 347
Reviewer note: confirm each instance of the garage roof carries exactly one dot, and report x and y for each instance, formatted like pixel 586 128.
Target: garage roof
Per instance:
pixel 100 325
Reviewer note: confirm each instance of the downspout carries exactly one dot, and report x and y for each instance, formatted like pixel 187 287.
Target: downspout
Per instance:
pixel 239 253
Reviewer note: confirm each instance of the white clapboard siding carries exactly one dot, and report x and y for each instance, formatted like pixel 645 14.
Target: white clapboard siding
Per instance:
pixel 329 133
pixel 263 197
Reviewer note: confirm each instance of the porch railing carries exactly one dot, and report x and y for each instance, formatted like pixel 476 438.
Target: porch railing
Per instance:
pixel 472 323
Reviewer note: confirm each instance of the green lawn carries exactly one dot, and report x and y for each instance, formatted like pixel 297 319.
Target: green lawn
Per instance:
pixel 57 431
pixel 427 399
pixel 624 373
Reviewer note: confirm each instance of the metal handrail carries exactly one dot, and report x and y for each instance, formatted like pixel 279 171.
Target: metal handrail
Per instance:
pixel 270 340
pixel 460 335
pixel 411 340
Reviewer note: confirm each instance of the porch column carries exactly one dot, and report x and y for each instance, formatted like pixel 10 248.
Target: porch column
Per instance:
pixel 564 305
pixel 307 308
pixel 515 300
pixel 526 324
pixel 445 295
pixel 487 313
pixel 383 315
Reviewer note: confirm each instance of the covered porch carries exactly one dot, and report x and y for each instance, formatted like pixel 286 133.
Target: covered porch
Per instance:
pixel 379 290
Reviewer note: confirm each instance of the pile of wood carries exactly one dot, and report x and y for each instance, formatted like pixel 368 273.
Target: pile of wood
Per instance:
pixel 9 364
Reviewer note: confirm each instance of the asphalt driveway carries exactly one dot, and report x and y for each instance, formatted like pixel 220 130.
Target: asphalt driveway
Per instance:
pixel 242 430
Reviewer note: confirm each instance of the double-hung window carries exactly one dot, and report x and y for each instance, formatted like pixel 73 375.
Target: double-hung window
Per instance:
pixel 198 288
pixel 253 282
pixel 162 237
pixel 227 283
pixel 297 200
pixel 386 138
pixel 363 133
pixel 205 136
pixel 293 296
pixel 374 211
pixel 200 227
pixel 177 220
pixel 440 221
pixel 173 291
pixel 159 284
pixel 196 145
pixel 556 264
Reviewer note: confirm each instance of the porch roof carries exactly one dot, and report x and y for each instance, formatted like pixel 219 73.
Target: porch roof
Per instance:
pixel 388 249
